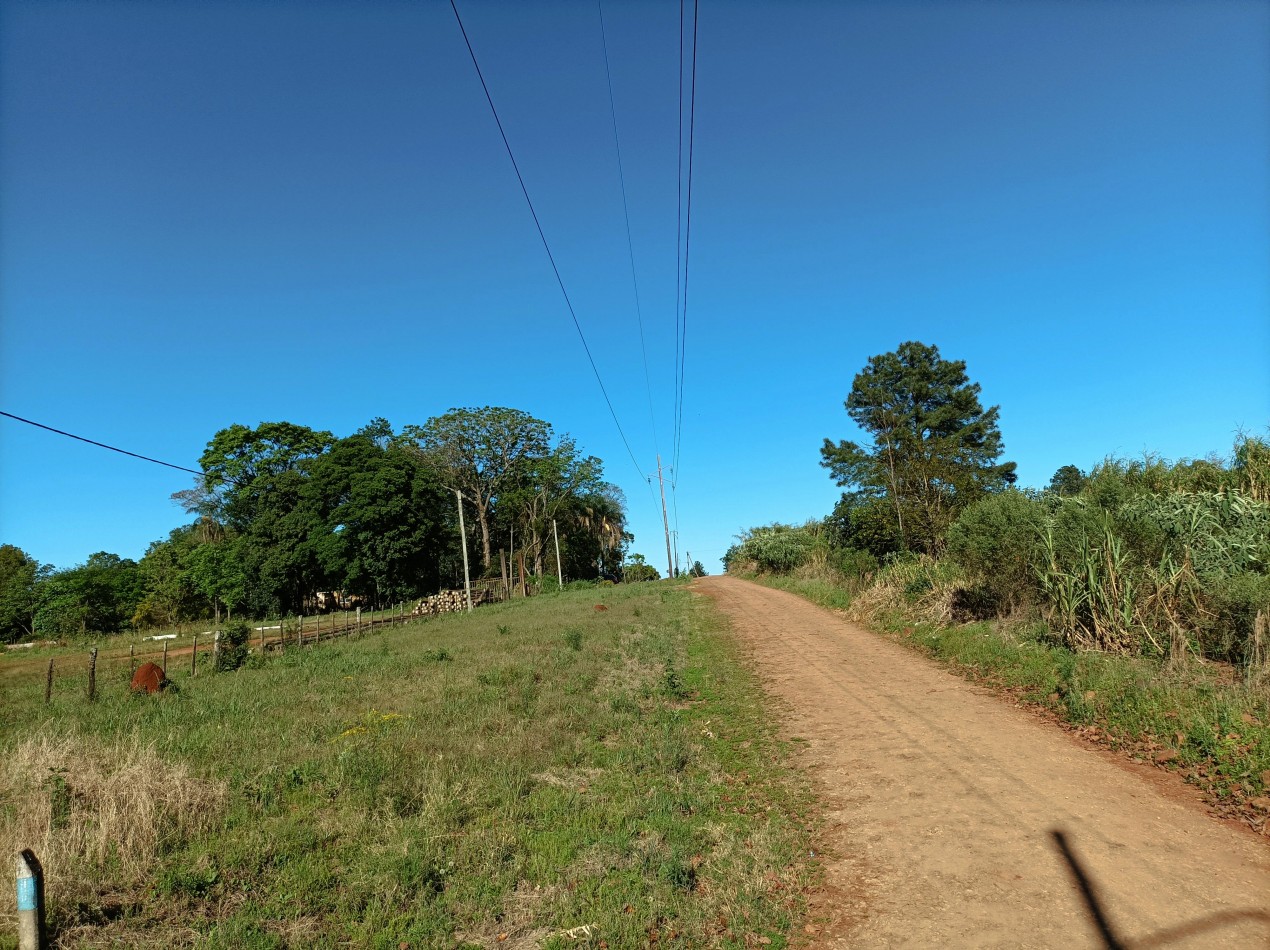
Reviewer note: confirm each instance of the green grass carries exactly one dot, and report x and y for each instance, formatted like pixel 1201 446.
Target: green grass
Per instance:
pixel 525 770
pixel 1218 726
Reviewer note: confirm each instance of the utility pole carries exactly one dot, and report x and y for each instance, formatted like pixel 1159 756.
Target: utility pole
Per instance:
pixel 559 569
pixel 665 522
pixel 675 535
pixel 467 579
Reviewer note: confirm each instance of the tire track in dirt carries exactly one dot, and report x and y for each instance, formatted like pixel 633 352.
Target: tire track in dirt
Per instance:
pixel 940 801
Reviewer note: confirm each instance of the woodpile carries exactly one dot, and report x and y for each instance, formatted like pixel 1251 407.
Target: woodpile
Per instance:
pixel 449 601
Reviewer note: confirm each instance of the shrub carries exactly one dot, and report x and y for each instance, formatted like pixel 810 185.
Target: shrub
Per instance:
pixel 232 646
pixel 997 541
pixel 780 548
pixel 852 563
pixel 865 524
pixel 1235 602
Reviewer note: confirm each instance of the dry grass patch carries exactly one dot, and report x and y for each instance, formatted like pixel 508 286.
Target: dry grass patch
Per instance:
pixel 99 816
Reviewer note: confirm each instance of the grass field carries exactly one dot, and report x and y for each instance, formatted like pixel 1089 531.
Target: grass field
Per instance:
pixel 533 774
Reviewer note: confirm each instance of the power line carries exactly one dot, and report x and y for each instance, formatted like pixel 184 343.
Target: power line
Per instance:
pixel 541 234
pixel 683 334
pixel 679 229
pixel 626 212
pixel 100 445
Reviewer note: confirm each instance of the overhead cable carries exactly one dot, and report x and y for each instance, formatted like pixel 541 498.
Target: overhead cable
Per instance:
pixel 626 212
pixel 683 333
pixel 541 234
pixel 100 445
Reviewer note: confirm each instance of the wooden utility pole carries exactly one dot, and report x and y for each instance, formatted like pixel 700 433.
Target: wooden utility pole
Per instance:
pixel 467 578
pixel 665 522
pixel 559 569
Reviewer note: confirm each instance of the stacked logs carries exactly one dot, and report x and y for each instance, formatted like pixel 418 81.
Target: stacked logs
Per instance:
pixel 449 601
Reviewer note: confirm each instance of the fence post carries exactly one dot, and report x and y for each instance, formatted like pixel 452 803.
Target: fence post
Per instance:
pixel 165 659
pixel 216 652
pixel 48 683
pixel 262 639
pixel 92 675
pixel 30 882
pixel 132 659
pixel 302 629
pixel 359 621
pixel 194 657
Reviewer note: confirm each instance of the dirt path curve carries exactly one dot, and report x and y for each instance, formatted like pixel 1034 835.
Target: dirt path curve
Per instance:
pixel 941 799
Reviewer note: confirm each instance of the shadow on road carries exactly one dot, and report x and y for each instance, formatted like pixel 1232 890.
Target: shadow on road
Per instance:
pixel 1112 941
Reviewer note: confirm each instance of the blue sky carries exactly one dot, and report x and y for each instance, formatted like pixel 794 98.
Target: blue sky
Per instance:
pixel 229 212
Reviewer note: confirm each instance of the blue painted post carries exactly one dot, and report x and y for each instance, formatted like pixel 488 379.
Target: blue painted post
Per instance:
pixel 30 902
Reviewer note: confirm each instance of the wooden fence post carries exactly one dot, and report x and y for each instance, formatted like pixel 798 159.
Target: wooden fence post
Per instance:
pixel 216 652
pixel 165 659
pixel 301 628
pixel 30 881
pixel 92 674
pixel 48 683
pixel 262 639
pixel 132 659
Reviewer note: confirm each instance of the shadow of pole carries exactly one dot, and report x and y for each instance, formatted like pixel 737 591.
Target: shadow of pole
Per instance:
pixel 1179 932
pixel 1087 891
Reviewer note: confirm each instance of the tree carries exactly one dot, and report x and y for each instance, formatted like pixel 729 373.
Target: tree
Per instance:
pixel 480 452
pixel 100 595
pixel 170 593
pixel 697 570
pixel 1068 480
pixel 637 569
pixel 932 447
pixel 551 487
pixel 257 477
pixel 19 573
pixel 597 533
pixel 217 571
pixel 384 523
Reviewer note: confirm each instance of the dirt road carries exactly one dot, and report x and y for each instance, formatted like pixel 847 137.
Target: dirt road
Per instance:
pixel 942 797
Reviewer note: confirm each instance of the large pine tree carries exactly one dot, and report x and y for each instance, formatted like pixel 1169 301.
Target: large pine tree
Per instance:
pixel 932 448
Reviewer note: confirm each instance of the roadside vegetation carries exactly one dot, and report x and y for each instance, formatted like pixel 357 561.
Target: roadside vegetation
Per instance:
pixel 1131 600
pixel 537 773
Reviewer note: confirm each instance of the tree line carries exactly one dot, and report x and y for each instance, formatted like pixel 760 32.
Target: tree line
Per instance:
pixel 283 511
pixel 1141 556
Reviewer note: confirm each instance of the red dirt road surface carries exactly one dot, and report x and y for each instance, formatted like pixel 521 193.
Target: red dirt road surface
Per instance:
pixel 941 799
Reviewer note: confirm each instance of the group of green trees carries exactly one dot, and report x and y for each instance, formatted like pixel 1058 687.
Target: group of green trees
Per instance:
pixel 1145 556
pixel 282 512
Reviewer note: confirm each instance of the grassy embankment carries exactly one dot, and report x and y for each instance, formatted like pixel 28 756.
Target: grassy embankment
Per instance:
pixel 1207 720
pixel 534 774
